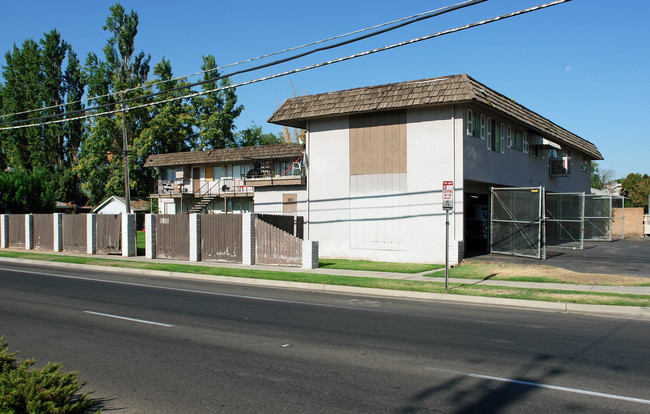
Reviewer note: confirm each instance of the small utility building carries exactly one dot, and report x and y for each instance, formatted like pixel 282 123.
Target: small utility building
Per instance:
pixel 376 159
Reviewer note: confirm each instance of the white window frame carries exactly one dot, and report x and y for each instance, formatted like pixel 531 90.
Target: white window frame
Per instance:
pixel 524 144
pixel 482 126
pixel 469 123
pixel 489 133
pixel 509 136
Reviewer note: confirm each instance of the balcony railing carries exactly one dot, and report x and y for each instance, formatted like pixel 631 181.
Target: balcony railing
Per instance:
pixel 221 187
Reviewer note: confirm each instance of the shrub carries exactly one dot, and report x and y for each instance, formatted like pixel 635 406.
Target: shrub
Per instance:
pixel 46 390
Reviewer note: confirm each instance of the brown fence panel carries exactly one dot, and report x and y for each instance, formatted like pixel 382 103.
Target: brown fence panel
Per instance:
pixel 17 230
pixel 109 233
pixel 173 236
pixel 290 224
pixel 275 246
pixel 221 237
pixel 74 233
pixel 43 231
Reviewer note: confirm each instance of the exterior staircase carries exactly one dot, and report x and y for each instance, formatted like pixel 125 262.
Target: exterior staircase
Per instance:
pixel 203 203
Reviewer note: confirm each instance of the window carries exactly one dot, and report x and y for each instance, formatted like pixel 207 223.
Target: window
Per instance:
pixel 475 126
pixel 509 136
pixel 469 123
pixel 489 133
pixel 524 145
pixel 519 145
pixel 502 138
pixel 482 126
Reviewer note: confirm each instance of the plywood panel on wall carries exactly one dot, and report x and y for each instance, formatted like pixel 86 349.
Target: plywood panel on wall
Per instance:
pixel 378 143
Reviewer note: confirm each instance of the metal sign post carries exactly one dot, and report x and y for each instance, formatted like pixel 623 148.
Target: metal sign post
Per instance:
pixel 447 205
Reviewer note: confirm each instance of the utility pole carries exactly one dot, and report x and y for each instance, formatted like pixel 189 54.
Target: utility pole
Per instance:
pixel 127 189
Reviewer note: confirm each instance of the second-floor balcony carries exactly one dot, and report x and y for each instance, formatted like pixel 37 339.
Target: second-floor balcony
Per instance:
pixel 224 187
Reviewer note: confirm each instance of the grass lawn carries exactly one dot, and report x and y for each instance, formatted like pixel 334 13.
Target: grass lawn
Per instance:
pixel 551 295
pixel 376 266
pixel 140 243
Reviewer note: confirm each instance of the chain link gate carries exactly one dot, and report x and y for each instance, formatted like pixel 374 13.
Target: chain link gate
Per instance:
pixel 517 225
pixel 565 220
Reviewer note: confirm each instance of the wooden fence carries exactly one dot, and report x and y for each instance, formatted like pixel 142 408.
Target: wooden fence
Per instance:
pixel 221 237
pixel 17 230
pixel 293 225
pixel 74 233
pixel 109 233
pixel 172 236
pixel 43 231
pixel 275 246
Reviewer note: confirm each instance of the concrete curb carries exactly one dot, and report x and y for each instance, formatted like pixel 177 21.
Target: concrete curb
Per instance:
pixel 622 311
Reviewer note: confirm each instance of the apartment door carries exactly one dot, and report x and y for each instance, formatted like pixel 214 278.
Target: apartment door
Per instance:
pixel 196 179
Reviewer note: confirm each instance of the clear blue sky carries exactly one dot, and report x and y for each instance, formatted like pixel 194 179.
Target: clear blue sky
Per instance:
pixel 584 64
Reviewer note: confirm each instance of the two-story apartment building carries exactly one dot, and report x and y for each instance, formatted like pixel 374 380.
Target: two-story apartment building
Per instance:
pixel 377 158
pixel 232 180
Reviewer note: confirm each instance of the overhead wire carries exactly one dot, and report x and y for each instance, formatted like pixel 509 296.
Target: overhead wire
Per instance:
pixel 310 67
pixel 406 21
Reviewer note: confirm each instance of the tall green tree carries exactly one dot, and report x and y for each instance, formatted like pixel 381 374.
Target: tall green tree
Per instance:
pixel 636 188
pixel 216 111
pixel 171 127
pixel 110 80
pixel 38 86
pixel 253 136
pixel 23 147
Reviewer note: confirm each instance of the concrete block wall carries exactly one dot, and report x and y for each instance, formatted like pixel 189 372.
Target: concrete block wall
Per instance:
pixel 4 231
pixel 29 231
pixel 91 233
pixel 248 238
pixel 195 237
pixel 128 235
pixel 58 232
pixel 309 254
pixel 150 236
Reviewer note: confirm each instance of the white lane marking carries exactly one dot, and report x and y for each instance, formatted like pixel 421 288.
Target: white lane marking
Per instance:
pixel 108 315
pixel 546 386
pixel 229 295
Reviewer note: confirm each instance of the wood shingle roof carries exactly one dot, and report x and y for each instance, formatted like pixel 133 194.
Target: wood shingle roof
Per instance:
pixel 227 155
pixel 295 112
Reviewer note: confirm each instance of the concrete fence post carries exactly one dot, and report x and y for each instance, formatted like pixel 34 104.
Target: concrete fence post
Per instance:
pixel 128 235
pixel 29 231
pixel 150 235
pixel 248 238
pixel 4 231
pixel 309 254
pixel 195 237
pixel 91 233
pixel 57 232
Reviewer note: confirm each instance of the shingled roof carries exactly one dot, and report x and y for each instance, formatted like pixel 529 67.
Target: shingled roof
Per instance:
pixel 295 112
pixel 227 155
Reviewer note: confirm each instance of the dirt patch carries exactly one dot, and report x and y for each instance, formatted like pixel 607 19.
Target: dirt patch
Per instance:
pixel 507 270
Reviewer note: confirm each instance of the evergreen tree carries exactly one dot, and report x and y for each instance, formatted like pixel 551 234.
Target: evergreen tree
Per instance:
pixel 101 163
pixel 216 111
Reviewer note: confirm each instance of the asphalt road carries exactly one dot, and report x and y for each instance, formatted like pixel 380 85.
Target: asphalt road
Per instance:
pixel 149 345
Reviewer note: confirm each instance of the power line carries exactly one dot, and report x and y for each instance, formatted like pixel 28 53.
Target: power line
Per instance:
pixel 305 68
pixel 410 20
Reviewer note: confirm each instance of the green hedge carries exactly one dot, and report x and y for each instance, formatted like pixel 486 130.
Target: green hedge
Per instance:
pixel 46 390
